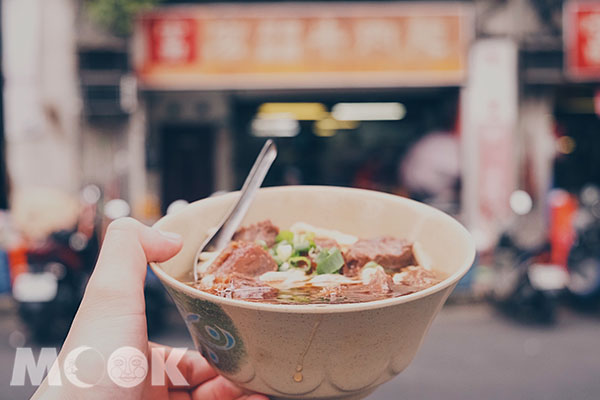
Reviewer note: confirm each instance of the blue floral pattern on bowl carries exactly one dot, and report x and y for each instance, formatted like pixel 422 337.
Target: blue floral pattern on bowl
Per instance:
pixel 213 332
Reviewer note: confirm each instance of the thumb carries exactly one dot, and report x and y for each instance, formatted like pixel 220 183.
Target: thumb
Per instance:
pixel 128 247
pixel 111 314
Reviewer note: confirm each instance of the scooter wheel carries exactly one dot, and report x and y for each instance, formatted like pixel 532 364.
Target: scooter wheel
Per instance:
pixel 584 283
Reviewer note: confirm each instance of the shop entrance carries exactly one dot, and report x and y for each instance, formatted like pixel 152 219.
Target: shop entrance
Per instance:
pixel 187 162
pixel 370 152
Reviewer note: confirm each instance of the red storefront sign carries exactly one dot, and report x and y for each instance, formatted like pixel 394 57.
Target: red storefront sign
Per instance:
pixel 303 45
pixel 582 40
pixel 172 40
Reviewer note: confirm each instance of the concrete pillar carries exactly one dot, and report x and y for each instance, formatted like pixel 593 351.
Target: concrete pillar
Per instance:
pixel 223 164
pixel 136 138
pixel 42 103
pixel 489 116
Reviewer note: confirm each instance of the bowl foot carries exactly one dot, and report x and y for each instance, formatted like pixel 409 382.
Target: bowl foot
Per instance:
pixel 350 396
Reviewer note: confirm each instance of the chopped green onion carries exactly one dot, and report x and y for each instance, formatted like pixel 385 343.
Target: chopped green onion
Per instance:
pixel 321 256
pixel 296 261
pixel 274 255
pixel 303 246
pixel 303 243
pixel 288 236
pixel 371 264
pixel 331 262
pixel 284 250
pixel 284 267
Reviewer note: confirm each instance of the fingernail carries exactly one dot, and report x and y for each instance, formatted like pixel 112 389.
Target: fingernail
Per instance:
pixel 171 236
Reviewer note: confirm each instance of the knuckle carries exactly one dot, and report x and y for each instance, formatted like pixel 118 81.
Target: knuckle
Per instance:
pixel 126 224
pixel 223 390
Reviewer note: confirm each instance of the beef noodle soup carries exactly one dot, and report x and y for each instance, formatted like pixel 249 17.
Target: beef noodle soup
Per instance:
pixel 306 264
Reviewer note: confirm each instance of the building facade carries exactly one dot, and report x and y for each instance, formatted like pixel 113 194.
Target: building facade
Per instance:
pixel 170 114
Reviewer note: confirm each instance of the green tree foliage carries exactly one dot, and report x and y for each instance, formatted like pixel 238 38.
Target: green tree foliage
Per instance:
pixel 117 15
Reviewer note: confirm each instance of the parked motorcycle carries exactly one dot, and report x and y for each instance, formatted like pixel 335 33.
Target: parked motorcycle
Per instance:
pixel 584 257
pixel 528 284
pixel 527 287
pixel 49 291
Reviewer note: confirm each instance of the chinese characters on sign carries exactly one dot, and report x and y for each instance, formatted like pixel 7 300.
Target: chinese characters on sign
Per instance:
pixel 174 40
pixel 295 45
pixel 582 40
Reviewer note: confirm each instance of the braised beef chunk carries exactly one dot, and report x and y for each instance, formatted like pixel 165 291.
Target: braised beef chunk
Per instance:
pixel 238 286
pixel 379 286
pixel 379 282
pixel 264 230
pixel 326 243
pixel 417 277
pixel 244 258
pixel 389 252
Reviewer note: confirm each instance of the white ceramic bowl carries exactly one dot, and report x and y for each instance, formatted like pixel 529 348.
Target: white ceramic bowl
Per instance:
pixel 316 351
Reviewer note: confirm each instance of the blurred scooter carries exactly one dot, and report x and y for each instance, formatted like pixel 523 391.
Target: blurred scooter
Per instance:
pixel 584 257
pixel 48 293
pixel 527 285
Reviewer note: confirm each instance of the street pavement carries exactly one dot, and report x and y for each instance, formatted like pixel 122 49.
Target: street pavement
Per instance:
pixel 471 352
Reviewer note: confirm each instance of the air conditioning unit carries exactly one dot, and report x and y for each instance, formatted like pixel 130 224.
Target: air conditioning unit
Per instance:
pixel 107 87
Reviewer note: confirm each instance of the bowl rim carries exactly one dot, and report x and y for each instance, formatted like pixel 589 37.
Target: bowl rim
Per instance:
pixel 323 308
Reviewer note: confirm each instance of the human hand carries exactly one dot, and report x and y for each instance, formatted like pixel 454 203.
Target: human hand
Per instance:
pixel 112 316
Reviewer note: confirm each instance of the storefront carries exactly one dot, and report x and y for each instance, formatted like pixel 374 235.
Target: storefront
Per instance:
pixel 577 107
pixel 347 90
